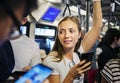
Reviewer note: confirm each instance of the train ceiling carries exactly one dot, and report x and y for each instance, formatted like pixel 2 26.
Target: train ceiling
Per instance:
pixel 110 9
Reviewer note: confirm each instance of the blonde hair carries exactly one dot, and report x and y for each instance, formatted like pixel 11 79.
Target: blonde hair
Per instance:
pixel 57 50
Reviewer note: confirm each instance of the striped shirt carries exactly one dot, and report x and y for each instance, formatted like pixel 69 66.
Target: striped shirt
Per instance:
pixel 111 71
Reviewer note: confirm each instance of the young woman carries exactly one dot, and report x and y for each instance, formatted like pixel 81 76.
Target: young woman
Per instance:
pixel 67 68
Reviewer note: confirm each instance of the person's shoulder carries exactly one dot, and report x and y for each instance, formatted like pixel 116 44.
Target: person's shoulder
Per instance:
pixel 50 62
pixel 115 62
pixel 28 39
pixel 51 58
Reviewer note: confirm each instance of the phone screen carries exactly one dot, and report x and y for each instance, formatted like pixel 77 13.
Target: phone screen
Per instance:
pixel 87 56
pixel 36 75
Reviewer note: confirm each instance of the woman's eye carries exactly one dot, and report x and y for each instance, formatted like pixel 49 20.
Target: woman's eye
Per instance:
pixel 72 31
pixel 61 32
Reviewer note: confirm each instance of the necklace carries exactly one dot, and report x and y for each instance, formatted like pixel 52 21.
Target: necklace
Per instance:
pixel 71 64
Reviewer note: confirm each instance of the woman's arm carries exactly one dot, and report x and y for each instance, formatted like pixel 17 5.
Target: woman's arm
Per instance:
pixel 91 37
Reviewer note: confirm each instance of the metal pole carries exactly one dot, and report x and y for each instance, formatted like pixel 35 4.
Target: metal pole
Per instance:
pixel 87 14
pixel 87 29
pixel 79 11
pixel 109 17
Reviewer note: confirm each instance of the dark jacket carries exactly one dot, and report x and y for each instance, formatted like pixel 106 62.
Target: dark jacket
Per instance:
pixel 6 61
pixel 107 54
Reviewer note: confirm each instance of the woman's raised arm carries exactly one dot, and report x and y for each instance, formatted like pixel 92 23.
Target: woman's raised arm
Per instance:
pixel 91 37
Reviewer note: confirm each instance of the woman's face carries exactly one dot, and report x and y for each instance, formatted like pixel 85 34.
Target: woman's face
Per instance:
pixel 68 34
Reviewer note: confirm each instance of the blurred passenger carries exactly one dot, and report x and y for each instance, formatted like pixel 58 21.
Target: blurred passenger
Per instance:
pixel 67 68
pixel 94 65
pixel 108 45
pixel 98 50
pixel 6 51
pixel 26 51
pixel 111 71
pixel 11 12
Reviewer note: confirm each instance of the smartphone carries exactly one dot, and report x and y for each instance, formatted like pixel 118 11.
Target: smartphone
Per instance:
pixel 36 75
pixel 87 56
pixel 18 74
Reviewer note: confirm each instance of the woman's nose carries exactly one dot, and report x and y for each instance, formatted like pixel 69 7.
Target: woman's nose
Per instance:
pixel 67 34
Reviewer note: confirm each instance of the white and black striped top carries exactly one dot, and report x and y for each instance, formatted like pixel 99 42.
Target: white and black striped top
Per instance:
pixel 111 71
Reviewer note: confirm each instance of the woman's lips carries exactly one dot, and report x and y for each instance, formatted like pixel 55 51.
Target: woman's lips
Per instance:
pixel 67 41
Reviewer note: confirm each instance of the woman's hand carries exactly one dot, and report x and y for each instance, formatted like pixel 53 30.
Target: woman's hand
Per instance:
pixel 77 70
